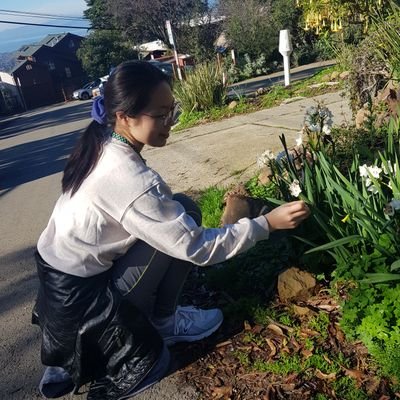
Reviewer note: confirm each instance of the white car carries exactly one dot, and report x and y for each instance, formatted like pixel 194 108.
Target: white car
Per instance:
pixel 99 90
pixel 85 93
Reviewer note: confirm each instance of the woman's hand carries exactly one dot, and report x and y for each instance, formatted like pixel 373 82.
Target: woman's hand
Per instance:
pixel 288 215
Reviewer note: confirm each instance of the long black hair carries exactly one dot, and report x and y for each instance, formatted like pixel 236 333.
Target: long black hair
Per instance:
pixel 129 89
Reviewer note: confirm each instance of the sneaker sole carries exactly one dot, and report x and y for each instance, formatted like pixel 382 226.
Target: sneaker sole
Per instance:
pixel 171 340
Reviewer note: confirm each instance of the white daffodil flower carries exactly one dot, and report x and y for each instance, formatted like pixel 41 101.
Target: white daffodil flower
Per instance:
pixel 363 171
pixel 326 129
pixel 375 171
pixel 265 158
pixel 294 188
pixel 373 189
pixel 392 168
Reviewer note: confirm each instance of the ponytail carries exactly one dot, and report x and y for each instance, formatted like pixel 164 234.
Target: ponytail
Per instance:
pixel 84 157
pixel 128 89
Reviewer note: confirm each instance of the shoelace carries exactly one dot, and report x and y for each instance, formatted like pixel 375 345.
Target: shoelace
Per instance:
pixel 184 319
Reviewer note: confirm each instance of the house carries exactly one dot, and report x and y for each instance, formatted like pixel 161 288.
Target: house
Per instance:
pixel 151 50
pixel 10 99
pixel 49 71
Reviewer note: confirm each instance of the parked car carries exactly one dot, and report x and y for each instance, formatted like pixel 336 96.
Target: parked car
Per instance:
pixel 99 90
pixel 85 92
pixel 165 67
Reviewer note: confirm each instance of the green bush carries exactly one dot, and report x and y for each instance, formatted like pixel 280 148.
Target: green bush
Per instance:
pixel 203 89
pixel 388 39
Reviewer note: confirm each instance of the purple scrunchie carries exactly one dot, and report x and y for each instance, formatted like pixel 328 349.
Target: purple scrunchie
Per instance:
pixel 98 111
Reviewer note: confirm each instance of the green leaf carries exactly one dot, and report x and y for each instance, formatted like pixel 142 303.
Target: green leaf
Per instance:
pixel 395 266
pixel 380 278
pixel 336 243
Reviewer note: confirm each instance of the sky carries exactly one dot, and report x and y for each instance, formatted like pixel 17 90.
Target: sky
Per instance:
pixel 14 36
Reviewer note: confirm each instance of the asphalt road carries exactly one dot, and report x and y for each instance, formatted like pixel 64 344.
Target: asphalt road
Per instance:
pixel 33 151
pixel 250 86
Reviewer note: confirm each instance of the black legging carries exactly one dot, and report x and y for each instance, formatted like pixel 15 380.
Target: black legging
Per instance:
pixel 150 279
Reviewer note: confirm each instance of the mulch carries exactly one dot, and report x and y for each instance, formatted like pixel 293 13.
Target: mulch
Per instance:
pixel 215 368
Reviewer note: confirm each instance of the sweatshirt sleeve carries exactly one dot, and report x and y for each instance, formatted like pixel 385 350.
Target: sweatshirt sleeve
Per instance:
pixel 160 221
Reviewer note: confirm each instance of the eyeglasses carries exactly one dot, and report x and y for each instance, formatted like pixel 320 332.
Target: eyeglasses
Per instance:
pixel 170 118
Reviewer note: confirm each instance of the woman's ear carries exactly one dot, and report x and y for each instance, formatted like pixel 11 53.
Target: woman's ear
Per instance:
pixel 124 121
pixel 121 117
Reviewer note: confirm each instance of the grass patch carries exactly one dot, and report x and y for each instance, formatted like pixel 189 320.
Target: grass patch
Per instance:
pixel 345 388
pixel 320 324
pixel 210 203
pixel 190 119
pixel 285 365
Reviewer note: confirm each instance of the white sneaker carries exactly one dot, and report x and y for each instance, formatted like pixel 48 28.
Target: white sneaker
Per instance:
pixel 188 324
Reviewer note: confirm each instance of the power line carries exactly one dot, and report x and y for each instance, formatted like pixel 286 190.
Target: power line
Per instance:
pixel 48 25
pixel 40 15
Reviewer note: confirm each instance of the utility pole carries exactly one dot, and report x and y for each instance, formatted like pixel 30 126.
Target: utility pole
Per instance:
pixel 172 42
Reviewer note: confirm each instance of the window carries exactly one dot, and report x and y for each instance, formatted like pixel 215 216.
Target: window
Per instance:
pixel 71 44
pixel 51 65
pixel 28 67
pixel 68 72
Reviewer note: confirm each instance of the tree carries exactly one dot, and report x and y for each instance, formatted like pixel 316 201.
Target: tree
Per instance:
pixel 248 25
pixel 106 45
pixel 144 20
pixel 334 15
pixel 99 15
pixel 103 49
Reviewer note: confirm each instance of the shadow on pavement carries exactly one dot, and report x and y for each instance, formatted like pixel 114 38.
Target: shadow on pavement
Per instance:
pixel 28 123
pixel 34 160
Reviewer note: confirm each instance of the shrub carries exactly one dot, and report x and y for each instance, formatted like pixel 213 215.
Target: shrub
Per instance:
pixel 203 89
pixel 388 39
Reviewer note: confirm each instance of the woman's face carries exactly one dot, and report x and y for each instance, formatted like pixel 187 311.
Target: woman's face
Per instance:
pixel 152 125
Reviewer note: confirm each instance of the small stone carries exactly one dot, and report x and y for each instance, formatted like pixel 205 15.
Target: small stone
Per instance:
pixel 233 104
pixel 326 78
pixel 361 117
pixel 292 99
pixel 295 284
pixel 335 75
pixel 301 310
pixel 261 91
pixel 344 75
pixel 265 176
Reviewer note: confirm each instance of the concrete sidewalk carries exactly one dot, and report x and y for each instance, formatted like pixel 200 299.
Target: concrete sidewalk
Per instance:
pixel 225 152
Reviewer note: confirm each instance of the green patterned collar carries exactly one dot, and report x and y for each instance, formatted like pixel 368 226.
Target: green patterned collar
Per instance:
pixel 126 141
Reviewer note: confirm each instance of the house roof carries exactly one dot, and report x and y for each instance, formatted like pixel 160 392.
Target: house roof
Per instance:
pixel 28 50
pixel 152 46
pixel 53 39
pixel 17 66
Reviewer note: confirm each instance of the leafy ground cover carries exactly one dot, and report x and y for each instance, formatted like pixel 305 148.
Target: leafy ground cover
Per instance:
pixel 295 351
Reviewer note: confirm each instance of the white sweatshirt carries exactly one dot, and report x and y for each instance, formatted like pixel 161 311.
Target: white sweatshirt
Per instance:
pixel 123 200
